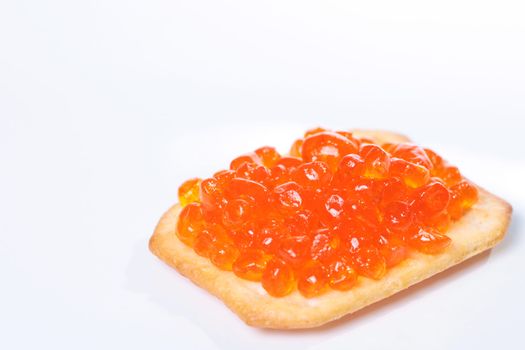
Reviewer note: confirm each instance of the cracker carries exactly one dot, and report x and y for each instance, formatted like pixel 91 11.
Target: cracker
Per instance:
pixel 481 228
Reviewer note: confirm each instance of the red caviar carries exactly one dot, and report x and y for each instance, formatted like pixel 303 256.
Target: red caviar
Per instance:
pixel 337 208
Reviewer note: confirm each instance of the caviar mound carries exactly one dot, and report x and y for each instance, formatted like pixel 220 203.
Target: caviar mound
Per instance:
pixel 339 207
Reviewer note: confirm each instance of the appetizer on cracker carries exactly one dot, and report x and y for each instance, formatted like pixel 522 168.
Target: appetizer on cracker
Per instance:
pixel 344 220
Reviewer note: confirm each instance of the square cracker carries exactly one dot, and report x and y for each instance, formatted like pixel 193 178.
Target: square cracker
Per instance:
pixel 481 228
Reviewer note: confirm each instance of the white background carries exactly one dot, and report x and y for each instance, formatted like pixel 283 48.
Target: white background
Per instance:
pixel 107 106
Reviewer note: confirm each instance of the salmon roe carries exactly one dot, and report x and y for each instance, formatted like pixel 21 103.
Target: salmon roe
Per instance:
pixel 338 207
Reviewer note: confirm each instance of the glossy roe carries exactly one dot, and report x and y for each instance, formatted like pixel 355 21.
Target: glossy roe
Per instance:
pixel 337 208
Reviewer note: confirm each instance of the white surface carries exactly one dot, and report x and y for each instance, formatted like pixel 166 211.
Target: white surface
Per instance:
pixel 107 106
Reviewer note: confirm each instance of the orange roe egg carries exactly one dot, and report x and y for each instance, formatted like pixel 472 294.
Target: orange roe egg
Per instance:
pixel 413 175
pixel 325 245
pixel 211 194
pixel 190 223
pixel 283 170
pixel 429 241
pixel 288 197
pixel 245 158
pixel 223 255
pixel 440 221
pixel 397 216
pixel 369 262
pixel 244 236
pixel 393 250
pixel 247 189
pixel 294 250
pixel 464 195
pixel 342 276
pixel 328 147
pixel 361 211
pixel 435 160
pixel 254 172
pixel 250 265
pixel 332 209
pixel 410 153
pixel 312 280
pixel 203 244
pixel 432 199
pixel 394 190
pixel 268 237
pixel 236 212
pixel 377 161
pixel 278 278
pixel 268 155
pixel 301 222
pixel 219 233
pixel 189 191
pixel 350 167
pixel 337 208
pixel 450 175
pixel 312 174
